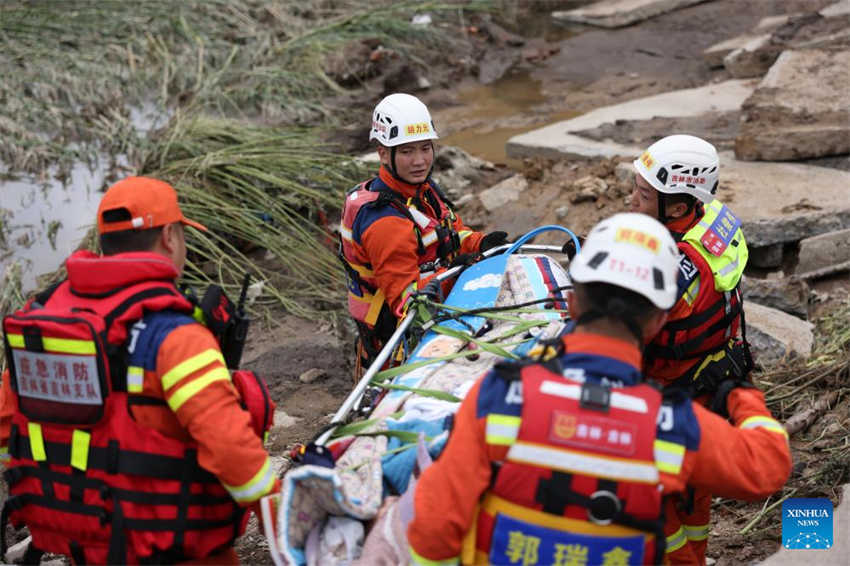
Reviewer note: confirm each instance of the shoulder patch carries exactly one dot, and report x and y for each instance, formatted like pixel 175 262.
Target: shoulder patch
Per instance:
pixel 499 395
pixel 677 423
pixel 688 273
pixel 147 334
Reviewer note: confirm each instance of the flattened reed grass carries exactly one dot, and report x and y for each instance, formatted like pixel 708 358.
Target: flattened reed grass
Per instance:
pixel 256 186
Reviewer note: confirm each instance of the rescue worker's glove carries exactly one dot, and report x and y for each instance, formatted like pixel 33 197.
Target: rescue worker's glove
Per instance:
pixel 492 240
pixel 433 291
pixel 718 403
pixel 465 259
pixel 569 248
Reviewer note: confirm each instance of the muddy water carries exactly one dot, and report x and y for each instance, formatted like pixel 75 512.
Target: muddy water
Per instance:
pixel 41 223
pixel 491 114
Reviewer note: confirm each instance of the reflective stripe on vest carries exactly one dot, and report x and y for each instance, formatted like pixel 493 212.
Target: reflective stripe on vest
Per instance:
pixel 760 421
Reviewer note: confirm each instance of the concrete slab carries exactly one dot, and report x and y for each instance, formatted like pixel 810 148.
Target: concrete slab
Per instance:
pixel 558 140
pixel 800 110
pixel 775 335
pixel 784 202
pixel 838 555
pixel 714 55
pixel 823 255
pixel 619 13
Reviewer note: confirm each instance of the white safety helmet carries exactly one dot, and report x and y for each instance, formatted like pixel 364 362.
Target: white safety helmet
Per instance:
pixel 681 164
pixel 633 251
pixel 401 118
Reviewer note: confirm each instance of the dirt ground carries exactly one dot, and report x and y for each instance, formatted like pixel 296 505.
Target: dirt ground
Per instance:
pixel 576 70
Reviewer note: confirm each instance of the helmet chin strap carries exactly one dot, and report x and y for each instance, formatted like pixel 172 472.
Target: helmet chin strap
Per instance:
pixel 662 208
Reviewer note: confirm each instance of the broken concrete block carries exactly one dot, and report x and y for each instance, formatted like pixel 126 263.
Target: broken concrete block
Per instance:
pixel 619 13
pixel 788 294
pixel 714 55
pixel 824 254
pixel 766 257
pixel 560 139
pixel 784 202
pixel 800 109
pixel 775 336
pixel 502 193
pixel 752 59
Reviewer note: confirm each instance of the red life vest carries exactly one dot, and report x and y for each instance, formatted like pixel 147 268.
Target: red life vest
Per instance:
pixel 436 239
pixel 84 476
pixel 580 479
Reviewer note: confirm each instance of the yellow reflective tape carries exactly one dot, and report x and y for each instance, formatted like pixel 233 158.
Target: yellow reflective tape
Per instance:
pixel 670 447
pixel 696 532
pixel 186 367
pixel 80 449
pixel 760 421
pixel 199 316
pixel 36 442
pixel 378 300
pixel 676 541
pixel 4 453
pixel 502 430
pixel 256 487
pixel 265 437
pixel 463 234
pixel 419 560
pixel 692 291
pixel 186 392
pixel 135 379
pixel 62 345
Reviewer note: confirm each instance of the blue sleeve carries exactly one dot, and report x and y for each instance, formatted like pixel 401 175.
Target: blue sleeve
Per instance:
pixel 499 395
pixel 148 334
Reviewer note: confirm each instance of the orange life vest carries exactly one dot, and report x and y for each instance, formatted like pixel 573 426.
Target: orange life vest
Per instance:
pixel 436 239
pixel 84 476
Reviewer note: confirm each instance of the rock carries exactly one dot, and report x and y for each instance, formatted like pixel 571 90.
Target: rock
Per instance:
pixel 775 336
pixel 400 76
pixel 835 556
pixel 799 109
pixel 624 172
pixel 619 13
pixel 752 59
pixel 588 189
pixel 311 375
pixel 16 552
pixel 766 257
pixel 501 36
pixel 455 170
pixel 788 294
pixel 562 211
pixel 465 199
pixel 495 64
pixel 283 420
pixel 561 139
pixel 502 193
pixel 824 254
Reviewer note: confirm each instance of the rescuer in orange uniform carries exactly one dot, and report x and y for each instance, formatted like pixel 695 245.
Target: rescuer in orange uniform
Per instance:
pixel 123 432
pixel 702 342
pixel 567 461
pixel 398 229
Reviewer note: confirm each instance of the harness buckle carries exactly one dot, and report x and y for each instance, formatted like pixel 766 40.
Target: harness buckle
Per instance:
pixel 604 506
